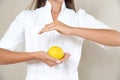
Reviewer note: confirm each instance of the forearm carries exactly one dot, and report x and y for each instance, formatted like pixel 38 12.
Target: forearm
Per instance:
pixel 102 36
pixel 9 57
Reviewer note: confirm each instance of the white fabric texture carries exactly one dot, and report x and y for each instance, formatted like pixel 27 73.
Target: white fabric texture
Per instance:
pixel 25 28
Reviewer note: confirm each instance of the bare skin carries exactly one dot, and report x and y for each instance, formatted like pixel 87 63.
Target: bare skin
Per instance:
pixel 56 8
pixel 10 57
pixel 102 36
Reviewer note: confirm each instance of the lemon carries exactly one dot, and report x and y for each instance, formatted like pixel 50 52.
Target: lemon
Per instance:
pixel 56 52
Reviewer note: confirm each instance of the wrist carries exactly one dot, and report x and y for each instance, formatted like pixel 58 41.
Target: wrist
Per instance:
pixel 33 55
pixel 72 31
pixel 36 55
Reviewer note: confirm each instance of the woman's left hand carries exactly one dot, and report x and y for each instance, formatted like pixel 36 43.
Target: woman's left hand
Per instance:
pixel 58 26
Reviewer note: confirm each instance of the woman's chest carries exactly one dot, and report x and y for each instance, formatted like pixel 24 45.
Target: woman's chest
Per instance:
pixel 47 39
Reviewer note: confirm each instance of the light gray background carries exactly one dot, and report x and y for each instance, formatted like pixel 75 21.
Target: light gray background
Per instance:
pixel 96 63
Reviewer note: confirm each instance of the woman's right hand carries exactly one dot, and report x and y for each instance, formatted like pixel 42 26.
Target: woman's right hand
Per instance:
pixel 44 57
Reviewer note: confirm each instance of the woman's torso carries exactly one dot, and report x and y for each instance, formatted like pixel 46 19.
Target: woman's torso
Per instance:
pixel 36 20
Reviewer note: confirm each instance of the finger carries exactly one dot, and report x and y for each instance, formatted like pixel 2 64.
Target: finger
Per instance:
pixel 50 63
pixel 66 56
pixel 50 24
pixel 48 27
pixel 46 30
pixel 47 59
pixel 54 60
pixel 58 61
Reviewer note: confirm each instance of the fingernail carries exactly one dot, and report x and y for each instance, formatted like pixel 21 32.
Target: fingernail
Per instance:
pixel 40 32
pixel 58 61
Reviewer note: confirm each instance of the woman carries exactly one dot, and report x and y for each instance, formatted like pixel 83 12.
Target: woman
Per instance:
pixel 55 15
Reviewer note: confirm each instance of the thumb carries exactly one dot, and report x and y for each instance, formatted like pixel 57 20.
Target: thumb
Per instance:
pixel 67 55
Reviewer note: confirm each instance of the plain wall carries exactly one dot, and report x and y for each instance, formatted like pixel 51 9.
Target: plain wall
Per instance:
pixel 96 63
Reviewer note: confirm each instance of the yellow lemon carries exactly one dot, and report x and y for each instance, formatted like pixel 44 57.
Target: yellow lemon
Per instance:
pixel 56 52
